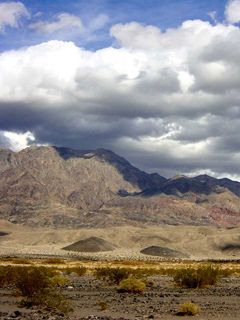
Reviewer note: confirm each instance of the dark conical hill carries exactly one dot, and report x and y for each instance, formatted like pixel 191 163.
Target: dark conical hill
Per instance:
pixel 163 252
pixel 92 244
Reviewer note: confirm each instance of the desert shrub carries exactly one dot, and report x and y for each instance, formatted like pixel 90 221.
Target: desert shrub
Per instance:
pixel 148 283
pixel 59 280
pixel 21 261
pixel 54 261
pixel 227 272
pixel 113 275
pixel 8 275
pixel 37 286
pixel 2 277
pixel 119 274
pixel 197 278
pixel 67 271
pixel 103 305
pixel 28 275
pixel 50 298
pixel 32 281
pixel 132 285
pixel 188 309
pixel 102 273
pixel 80 271
pixel 143 272
pixel 168 272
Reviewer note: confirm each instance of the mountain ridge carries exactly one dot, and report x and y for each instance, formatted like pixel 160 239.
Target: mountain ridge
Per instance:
pixel 56 186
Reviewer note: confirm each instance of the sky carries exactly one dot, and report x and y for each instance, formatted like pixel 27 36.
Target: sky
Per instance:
pixel 156 81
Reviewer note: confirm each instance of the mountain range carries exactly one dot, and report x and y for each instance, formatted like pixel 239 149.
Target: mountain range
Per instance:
pixel 63 187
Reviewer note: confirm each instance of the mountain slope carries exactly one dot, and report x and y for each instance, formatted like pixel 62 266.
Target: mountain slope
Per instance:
pixel 130 173
pixel 233 186
pixel 202 184
pixel 54 186
pixel 60 186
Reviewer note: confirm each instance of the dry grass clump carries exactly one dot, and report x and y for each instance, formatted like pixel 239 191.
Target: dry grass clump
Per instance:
pixel 188 309
pixel 132 285
pixel 201 277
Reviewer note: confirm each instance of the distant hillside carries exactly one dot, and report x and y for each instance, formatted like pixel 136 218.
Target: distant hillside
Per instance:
pixel 52 186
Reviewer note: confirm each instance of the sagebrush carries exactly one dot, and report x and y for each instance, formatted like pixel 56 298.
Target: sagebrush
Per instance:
pixel 188 309
pixel 200 277
pixel 132 285
pixel 37 285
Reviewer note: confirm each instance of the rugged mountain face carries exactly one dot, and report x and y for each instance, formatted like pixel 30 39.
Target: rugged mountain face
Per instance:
pixel 233 186
pixel 130 173
pixel 93 188
pixel 202 184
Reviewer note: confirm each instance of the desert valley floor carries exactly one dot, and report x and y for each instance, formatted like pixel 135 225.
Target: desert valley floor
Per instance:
pixel 87 294
pixel 162 301
pixel 194 242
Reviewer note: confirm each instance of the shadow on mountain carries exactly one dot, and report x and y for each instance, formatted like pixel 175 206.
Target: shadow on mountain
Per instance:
pixel 130 173
pixel 202 184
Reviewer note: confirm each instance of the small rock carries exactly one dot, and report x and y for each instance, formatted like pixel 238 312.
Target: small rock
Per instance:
pixel 70 287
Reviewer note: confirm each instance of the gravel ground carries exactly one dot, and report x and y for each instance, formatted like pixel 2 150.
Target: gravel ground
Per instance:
pixel 221 302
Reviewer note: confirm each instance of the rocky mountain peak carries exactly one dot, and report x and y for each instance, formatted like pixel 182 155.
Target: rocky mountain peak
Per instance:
pixel 59 186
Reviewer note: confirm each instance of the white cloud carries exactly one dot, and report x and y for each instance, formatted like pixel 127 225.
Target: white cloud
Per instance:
pixel 62 21
pixel 98 22
pixel 11 13
pixel 65 25
pixel 134 35
pixel 232 11
pixel 15 141
pixel 173 95
pixel 214 174
pixel 213 16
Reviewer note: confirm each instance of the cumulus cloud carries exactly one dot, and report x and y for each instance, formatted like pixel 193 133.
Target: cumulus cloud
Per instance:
pixel 15 141
pixel 11 13
pixel 62 21
pixel 169 101
pixel 213 16
pixel 65 25
pixel 232 11
pixel 98 22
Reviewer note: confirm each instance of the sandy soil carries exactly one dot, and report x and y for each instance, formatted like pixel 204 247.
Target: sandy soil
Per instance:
pixel 221 302
pixel 197 242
